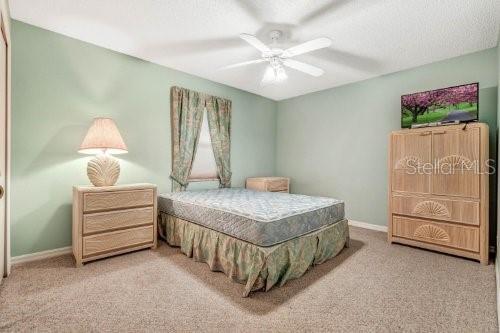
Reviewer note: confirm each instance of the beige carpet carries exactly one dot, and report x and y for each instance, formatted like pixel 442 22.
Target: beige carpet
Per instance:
pixel 371 286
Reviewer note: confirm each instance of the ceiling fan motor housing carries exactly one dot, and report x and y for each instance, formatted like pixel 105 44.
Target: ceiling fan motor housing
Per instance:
pixel 273 52
pixel 275 35
pixel 275 61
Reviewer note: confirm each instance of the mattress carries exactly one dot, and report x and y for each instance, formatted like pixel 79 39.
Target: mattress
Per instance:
pixel 261 218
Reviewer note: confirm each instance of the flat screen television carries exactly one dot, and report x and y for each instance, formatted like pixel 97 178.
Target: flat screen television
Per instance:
pixel 442 105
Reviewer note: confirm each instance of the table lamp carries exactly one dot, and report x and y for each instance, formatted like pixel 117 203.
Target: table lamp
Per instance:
pixel 103 139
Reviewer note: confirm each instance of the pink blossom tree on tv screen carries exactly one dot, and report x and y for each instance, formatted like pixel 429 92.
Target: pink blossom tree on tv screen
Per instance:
pixel 450 103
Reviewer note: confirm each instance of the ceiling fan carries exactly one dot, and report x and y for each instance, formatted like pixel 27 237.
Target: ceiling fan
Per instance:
pixel 278 58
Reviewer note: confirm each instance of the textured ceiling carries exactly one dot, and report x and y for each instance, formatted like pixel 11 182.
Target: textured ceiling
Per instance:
pixel 370 37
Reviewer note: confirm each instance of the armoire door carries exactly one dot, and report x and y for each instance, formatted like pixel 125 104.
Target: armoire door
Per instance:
pixel 3 146
pixel 411 154
pixel 457 160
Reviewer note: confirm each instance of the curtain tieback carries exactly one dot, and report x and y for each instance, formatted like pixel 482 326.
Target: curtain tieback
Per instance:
pixel 178 181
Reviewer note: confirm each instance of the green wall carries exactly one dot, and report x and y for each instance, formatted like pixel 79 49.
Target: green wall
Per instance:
pixel 334 142
pixel 60 84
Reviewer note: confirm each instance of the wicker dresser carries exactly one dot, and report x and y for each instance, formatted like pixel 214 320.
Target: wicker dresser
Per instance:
pixel 269 184
pixel 112 220
pixel 438 189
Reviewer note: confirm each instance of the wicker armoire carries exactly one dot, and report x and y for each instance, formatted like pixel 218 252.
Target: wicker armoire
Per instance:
pixel 438 189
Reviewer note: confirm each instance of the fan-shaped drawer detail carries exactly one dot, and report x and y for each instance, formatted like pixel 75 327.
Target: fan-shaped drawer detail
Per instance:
pixel 432 232
pixel 451 162
pixel 431 208
pixel 412 162
pixel 445 234
pixel 451 210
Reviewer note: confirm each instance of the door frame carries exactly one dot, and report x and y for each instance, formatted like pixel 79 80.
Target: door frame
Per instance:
pixel 5 31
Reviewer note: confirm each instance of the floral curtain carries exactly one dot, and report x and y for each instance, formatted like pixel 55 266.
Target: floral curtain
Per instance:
pixel 187 107
pixel 219 121
pixel 186 116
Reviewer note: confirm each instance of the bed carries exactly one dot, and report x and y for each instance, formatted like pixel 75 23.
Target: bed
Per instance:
pixel 260 239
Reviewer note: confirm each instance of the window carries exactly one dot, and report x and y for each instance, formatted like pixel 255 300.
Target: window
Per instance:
pixel 204 166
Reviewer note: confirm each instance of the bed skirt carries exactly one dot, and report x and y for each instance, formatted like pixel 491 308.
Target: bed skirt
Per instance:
pixel 256 267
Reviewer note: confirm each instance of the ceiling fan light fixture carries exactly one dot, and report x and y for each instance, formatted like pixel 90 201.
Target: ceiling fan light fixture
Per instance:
pixel 274 74
pixel 281 74
pixel 269 75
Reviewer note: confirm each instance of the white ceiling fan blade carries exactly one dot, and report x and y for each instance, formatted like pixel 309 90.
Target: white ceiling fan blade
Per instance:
pixel 309 46
pixel 255 42
pixel 303 67
pixel 244 63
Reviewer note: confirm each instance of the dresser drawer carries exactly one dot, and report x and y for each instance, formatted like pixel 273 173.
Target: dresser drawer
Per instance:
pixel 460 211
pixel 108 221
pixel 115 240
pixel 278 185
pixel 450 235
pixel 120 199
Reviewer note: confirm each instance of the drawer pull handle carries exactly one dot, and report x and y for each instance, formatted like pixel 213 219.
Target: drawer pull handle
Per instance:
pixel 425 133
pixel 432 232
pixel 431 208
pixel 439 132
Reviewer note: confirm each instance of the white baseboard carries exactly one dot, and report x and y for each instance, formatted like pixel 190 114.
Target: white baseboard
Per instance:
pixel 40 255
pixel 370 226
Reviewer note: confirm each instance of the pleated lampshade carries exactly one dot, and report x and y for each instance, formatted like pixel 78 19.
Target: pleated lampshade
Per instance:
pixel 103 136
